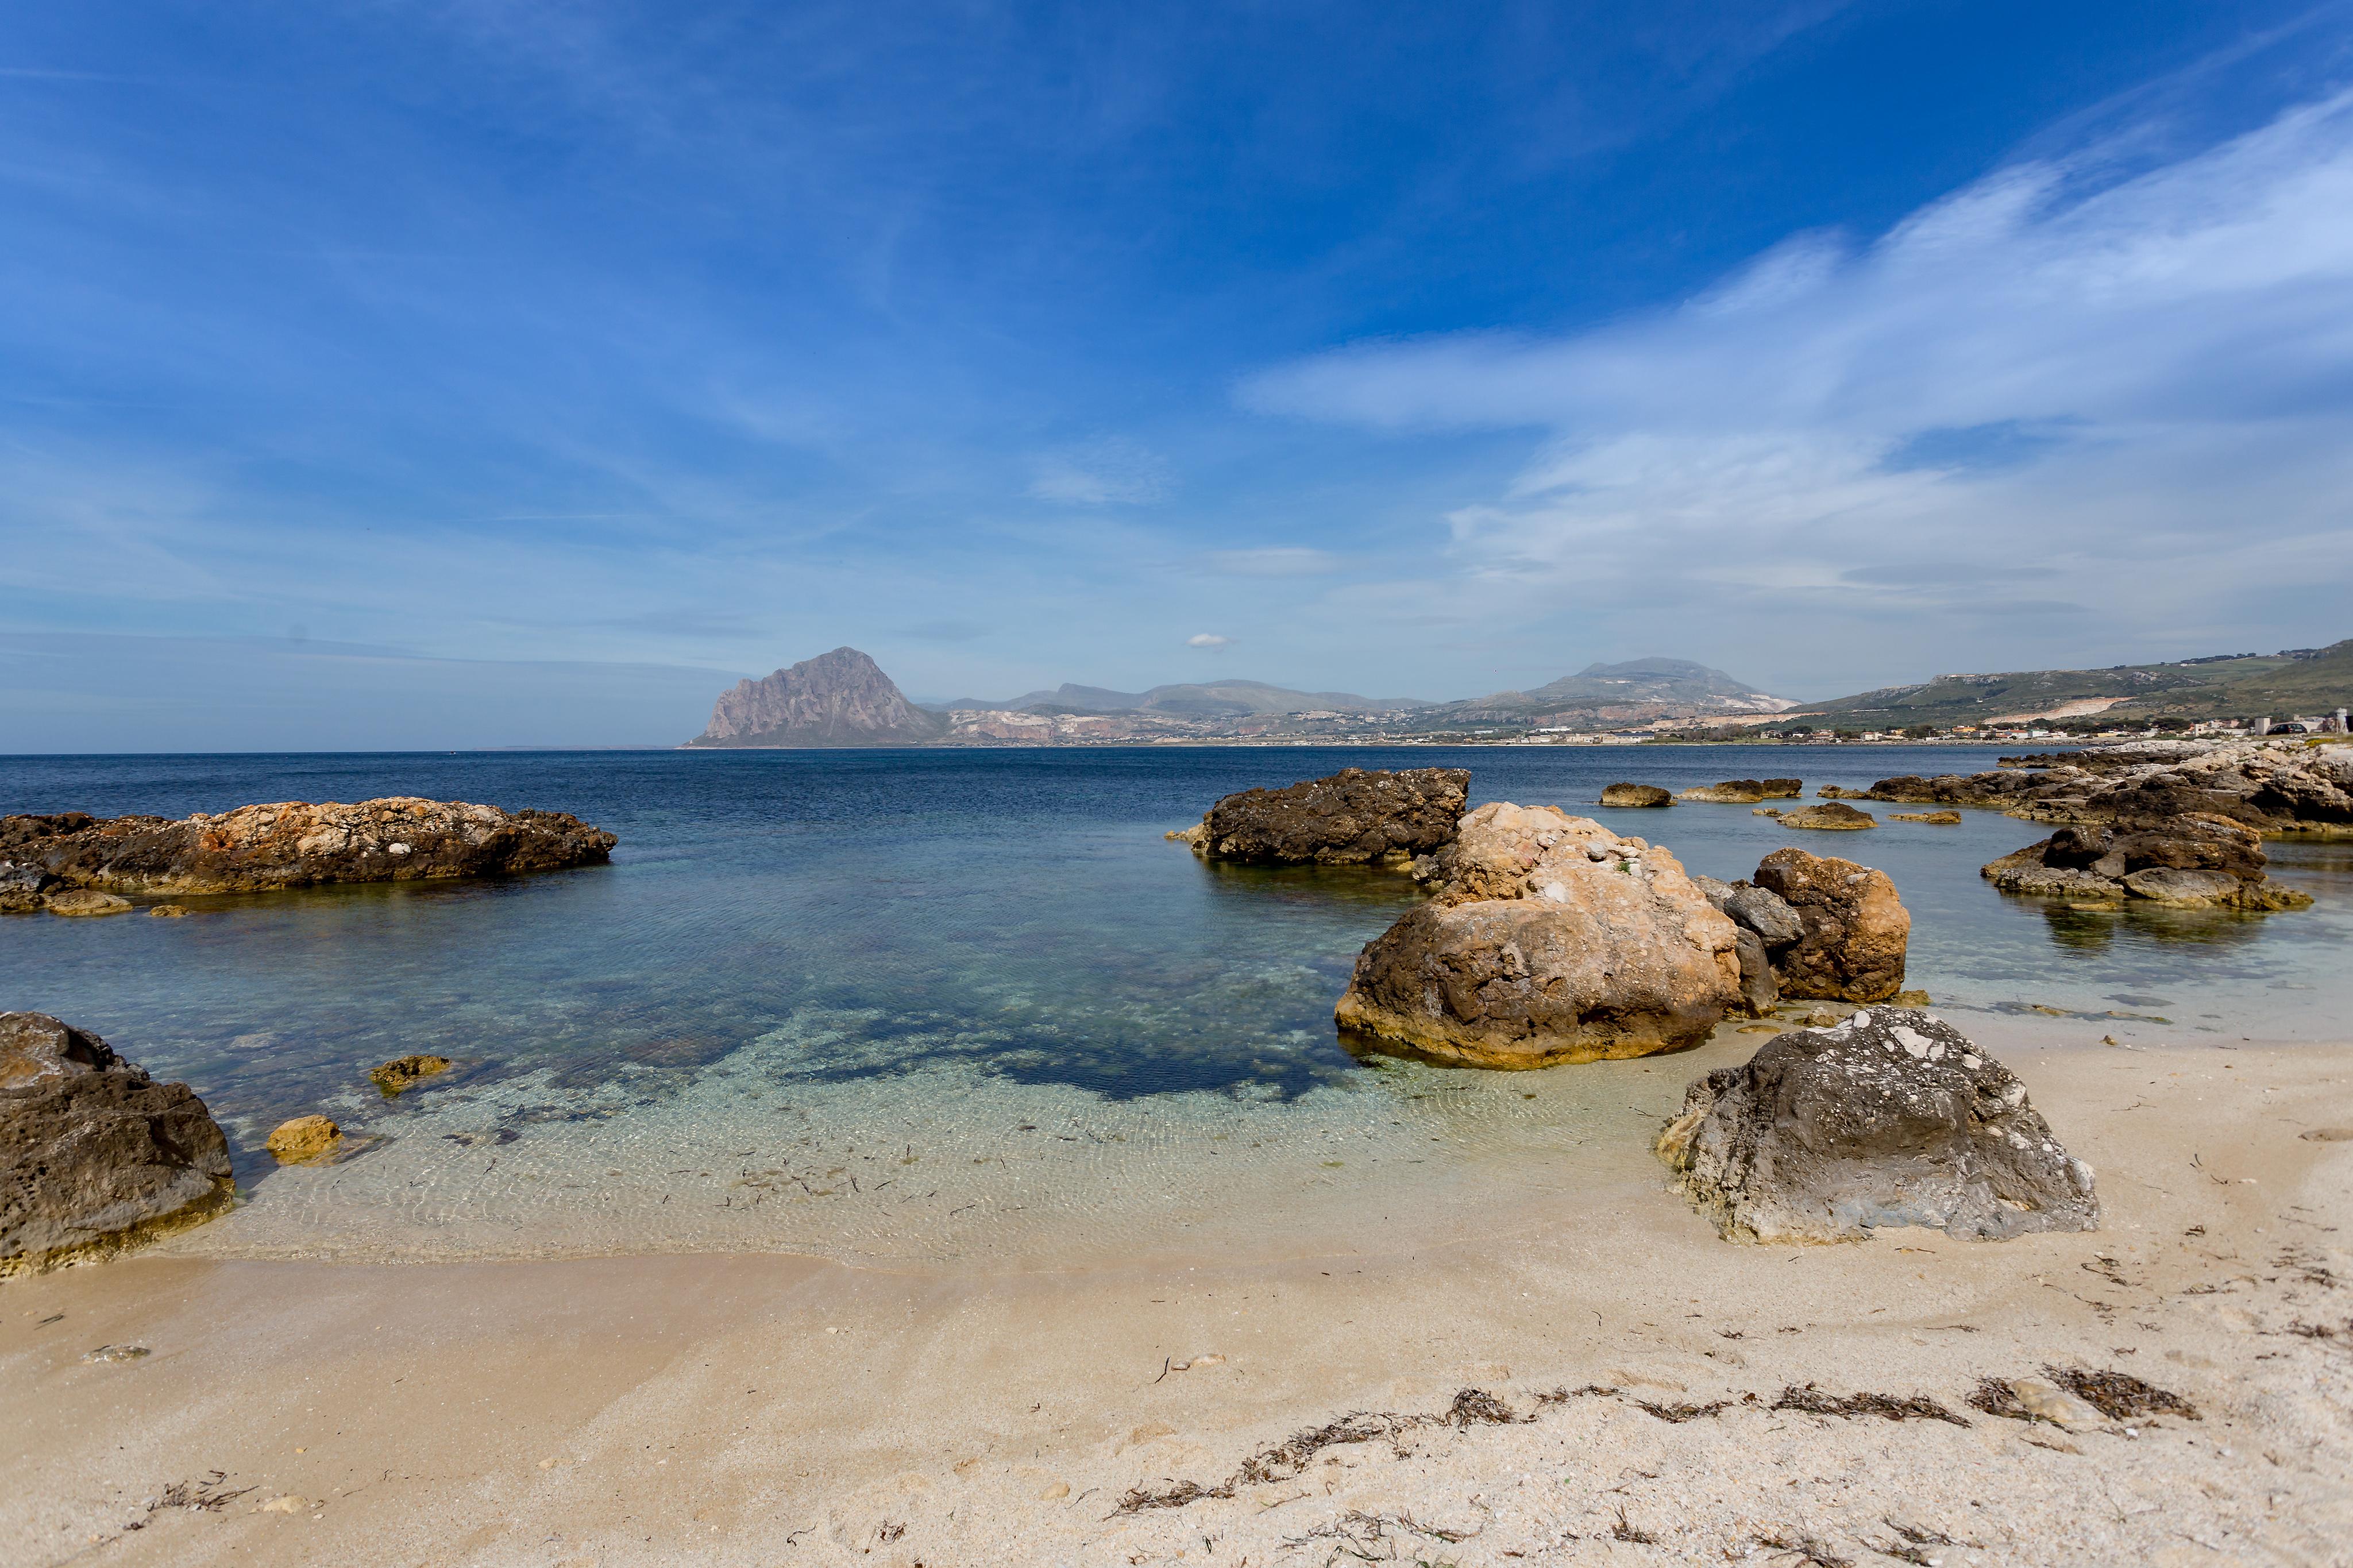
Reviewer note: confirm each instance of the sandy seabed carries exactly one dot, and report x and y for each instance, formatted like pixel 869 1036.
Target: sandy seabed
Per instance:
pixel 1631 1377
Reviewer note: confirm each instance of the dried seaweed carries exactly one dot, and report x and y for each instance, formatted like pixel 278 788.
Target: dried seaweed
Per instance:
pixel 1804 1549
pixel 1621 1531
pixel 2120 1395
pixel 204 1497
pixel 1286 1460
pixel 1994 1396
pixel 1679 1414
pixel 1888 1407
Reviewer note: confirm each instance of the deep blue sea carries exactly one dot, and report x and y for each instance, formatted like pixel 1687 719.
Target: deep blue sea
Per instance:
pixel 821 999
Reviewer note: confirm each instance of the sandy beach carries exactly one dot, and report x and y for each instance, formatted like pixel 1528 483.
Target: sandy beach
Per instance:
pixel 1632 1375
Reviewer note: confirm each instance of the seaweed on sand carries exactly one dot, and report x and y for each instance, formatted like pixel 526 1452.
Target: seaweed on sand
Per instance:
pixel 1814 1401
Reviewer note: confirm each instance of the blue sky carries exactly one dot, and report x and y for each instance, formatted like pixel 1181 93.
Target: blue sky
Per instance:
pixel 507 372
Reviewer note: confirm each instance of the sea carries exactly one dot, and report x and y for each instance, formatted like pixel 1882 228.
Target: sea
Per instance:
pixel 972 1008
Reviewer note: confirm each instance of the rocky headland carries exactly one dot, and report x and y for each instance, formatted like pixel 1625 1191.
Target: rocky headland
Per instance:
pixel 48 861
pixel 1888 1117
pixel 1547 938
pixel 837 698
pixel 95 1155
pixel 1354 817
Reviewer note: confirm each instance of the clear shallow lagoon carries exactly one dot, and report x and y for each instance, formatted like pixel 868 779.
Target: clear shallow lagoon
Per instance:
pixel 947 1004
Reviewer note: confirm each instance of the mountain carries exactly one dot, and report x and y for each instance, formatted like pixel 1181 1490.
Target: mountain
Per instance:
pixel 1638 690
pixel 837 698
pixel 1213 700
pixel 2223 686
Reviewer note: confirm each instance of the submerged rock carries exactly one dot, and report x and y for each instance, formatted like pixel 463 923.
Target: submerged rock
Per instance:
pixel 1854 931
pixel 1835 816
pixel 406 1073
pixel 1637 794
pixel 294 843
pixel 2189 861
pixel 79 902
pixel 1941 819
pixel 95 1155
pixel 1354 818
pixel 1549 939
pixel 1891 1117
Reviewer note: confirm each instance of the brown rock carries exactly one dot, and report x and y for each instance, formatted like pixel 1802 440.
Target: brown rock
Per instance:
pixel 1941 819
pixel 294 843
pixel 95 1156
pixel 1856 929
pixel 1835 816
pixel 304 1139
pixel 79 902
pixel 1550 939
pixel 406 1072
pixel 1639 794
pixel 2192 860
pixel 169 912
pixel 1352 818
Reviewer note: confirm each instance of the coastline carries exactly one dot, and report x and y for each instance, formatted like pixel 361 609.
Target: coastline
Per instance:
pixel 764 1409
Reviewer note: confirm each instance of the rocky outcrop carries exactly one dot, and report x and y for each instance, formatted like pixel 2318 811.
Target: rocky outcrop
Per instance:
pixel 1834 816
pixel 1548 939
pixel 1854 931
pixel 84 901
pixel 2189 862
pixel 2271 788
pixel 1745 792
pixel 401 1073
pixel 1352 818
pixel 293 844
pixel 95 1156
pixel 1935 819
pixel 1636 795
pixel 837 698
pixel 1888 1117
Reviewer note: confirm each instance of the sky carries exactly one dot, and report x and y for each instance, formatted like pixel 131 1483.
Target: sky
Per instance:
pixel 389 374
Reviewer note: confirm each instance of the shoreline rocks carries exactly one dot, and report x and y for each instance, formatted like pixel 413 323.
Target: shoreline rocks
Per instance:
pixel 1822 929
pixel 304 1141
pixel 95 1156
pixel 401 1073
pixel 1640 796
pixel 1890 1118
pixel 1548 939
pixel 2189 861
pixel 289 844
pixel 1353 817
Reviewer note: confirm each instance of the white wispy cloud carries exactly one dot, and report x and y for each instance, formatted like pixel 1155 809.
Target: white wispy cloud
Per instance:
pixel 1207 641
pixel 2140 386
pixel 1113 471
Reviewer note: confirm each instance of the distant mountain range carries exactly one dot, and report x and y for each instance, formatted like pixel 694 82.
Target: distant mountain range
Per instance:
pixel 1221 699
pixel 1637 690
pixel 2226 685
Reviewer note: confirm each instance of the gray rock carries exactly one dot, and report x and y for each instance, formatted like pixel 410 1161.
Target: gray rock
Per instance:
pixel 2169 885
pixel 1888 1117
pixel 1764 911
pixel 94 1154
pixel 21 886
pixel 1761 988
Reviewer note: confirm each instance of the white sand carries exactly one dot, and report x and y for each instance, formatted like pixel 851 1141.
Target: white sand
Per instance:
pixel 779 1410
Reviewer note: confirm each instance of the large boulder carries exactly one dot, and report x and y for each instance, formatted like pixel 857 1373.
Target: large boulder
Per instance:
pixel 1353 818
pixel 1890 1118
pixel 293 843
pixel 1548 939
pixel 1835 816
pixel 2193 860
pixel 1855 931
pixel 1635 795
pixel 94 1155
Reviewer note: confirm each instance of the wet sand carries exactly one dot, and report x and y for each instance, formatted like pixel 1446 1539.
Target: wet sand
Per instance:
pixel 769 1409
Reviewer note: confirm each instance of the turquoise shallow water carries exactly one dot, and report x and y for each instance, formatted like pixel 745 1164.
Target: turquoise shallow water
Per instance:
pixel 933 1004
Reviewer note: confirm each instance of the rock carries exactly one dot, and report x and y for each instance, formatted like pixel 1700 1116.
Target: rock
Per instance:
pixel 1745 792
pixel 1636 795
pixel 303 1139
pixel 1892 1118
pixel 294 843
pixel 406 1073
pixel 21 886
pixel 1833 815
pixel 169 912
pixel 1548 939
pixel 1910 999
pixel 1764 911
pixel 1941 819
pixel 95 1156
pixel 2188 861
pixel 837 698
pixel 1783 789
pixel 1766 811
pixel 1856 930
pixel 1761 988
pixel 288 1503
pixel 2046 1401
pixel 1352 818
pixel 79 902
